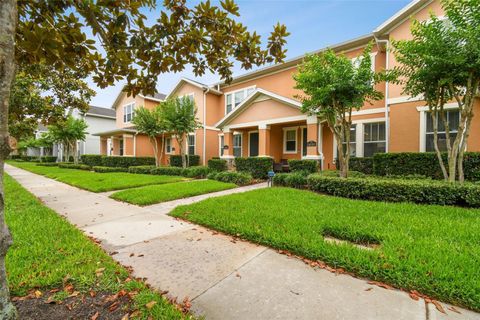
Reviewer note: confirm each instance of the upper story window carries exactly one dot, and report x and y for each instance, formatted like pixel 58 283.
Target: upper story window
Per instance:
pixel 233 99
pixel 358 60
pixel 128 112
pixel 191 97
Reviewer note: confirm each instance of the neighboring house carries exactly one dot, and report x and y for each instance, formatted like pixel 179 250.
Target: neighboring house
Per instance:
pixel 97 118
pixel 257 114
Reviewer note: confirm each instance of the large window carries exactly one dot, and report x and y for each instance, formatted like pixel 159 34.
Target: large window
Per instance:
pixel 353 141
pixel 168 145
pixel 290 140
pixel 237 145
pixel 373 138
pixel 233 99
pixel 453 118
pixel 128 112
pixel 191 144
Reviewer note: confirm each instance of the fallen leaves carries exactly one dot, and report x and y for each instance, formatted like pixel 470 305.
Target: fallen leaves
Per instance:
pixel 95 316
pixel 151 304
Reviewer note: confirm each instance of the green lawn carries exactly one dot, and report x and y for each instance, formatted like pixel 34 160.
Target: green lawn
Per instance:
pixel 96 182
pixel 49 252
pixel 166 192
pixel 433 249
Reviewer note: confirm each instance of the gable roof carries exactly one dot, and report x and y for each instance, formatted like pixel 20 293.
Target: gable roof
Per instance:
pixel 401 16
pixel 250 99
pixel 101 112
pixel 156 97
pixel 197 84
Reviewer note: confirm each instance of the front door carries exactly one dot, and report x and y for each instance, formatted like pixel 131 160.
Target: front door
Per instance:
pixel 304 142
pixel 253 144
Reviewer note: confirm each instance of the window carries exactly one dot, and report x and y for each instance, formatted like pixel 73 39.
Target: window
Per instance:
pixel 128 112
pixel 221 145
pixel 190 97
pixel 237 145
pixel 373 138
pixel 453 118
pixel 353 141
pixel 191 144
pixel 168 145
pixel 232 100
pixel 290 141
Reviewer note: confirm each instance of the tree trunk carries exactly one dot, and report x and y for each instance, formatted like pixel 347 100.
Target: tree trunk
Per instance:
pixel 434 115
pixel 154 142
pixel 182 151
pixel 162 147
pixel 8 21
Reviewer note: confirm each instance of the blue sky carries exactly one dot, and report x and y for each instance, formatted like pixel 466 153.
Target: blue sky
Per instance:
pixel 313 24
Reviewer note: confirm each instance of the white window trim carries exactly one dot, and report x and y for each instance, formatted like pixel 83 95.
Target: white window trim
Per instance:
pixel 249 133
pixel 285 130
pixel 363 136
pixel 132 104
pixel 194 142
pixel 423 123
pixel 241 143
pixel 171 146
pixel 245 90
pixel 220 136
pixel 359 136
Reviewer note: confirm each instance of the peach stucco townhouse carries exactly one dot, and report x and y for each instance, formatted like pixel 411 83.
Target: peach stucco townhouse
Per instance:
pixel 258 113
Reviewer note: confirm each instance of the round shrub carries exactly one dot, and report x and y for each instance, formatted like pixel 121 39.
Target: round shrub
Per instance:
pixel 198 172
pixel 217 164
pixel 239 178
pixel 310 166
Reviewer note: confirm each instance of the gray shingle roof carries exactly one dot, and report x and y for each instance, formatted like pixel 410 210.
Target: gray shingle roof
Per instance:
pixel 159 96
pixel 99 111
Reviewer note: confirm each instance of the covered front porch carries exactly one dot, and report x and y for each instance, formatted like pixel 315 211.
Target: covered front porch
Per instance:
pixel 269 125
pixel 119 142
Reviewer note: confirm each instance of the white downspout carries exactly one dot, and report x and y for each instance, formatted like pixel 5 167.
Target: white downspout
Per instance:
pixel 387 118
pixel 204 161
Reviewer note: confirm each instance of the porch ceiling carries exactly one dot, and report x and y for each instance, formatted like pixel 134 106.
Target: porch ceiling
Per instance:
pixel 115 132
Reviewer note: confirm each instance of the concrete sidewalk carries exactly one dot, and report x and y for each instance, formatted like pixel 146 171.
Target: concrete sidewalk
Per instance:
pixel 222 277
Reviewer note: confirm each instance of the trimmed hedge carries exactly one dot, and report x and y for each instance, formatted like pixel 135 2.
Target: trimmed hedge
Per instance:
pixel 217 165
pixel 48 159
pixel 176 160
pixel 198 172
pixel 364 165
pixel 101 169
pixel 74 166
pixel 310 166
pixel 392 190
pixel 125 162
pixel 239 178
pixel 258 167
pixel 424 163
pixel 92 160
pixel 295 179
pixel 141 169
pixel 167 171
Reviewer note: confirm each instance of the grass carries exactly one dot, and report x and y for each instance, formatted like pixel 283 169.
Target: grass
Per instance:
pixel 49 252
pixel 161 193
pixel 433 249
pixel 96 182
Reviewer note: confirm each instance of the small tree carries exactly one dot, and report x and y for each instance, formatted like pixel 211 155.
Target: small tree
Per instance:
pixel 442 63
pixel 152 124
pixel 180 119
pixel 334 87
pixel 68 133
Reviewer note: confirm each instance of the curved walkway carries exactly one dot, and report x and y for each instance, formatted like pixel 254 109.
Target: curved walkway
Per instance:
pixel 222 277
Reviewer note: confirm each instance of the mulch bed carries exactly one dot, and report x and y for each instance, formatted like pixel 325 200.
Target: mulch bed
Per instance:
pixel 94 306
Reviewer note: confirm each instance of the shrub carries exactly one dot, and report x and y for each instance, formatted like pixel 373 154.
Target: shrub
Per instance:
pixel 67 165
pixel 28 158
pixel 47 164
pixel 258 167
pixel 167 171
pixel 92 160
pixel 363 165
pixel 392 190
pixel 141 169
pixel 239 178
pixel 303 165
pixel 101 169
pixel 198 172
pixel 14 156
pixel 217 164
pixel 48 159
pixel 296 179
pixel 176 160
pixel 125 162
